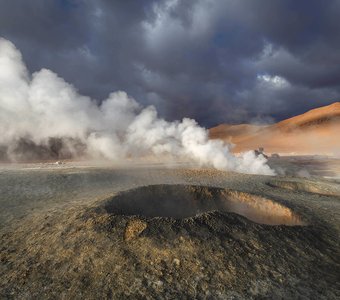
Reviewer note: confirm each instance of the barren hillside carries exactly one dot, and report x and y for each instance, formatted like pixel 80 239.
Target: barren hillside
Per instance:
pixel 314 132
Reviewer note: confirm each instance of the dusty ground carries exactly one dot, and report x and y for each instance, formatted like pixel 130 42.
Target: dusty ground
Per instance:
pixel 59 240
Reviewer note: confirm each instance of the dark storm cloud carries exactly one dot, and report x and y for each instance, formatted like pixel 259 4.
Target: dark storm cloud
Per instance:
pixel 216 61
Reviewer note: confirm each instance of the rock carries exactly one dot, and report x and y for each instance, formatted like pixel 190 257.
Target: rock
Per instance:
pixel 176 262
pixel 134 228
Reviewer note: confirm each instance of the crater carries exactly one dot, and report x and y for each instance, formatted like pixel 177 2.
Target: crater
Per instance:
pixel 185 201
pixel 307 186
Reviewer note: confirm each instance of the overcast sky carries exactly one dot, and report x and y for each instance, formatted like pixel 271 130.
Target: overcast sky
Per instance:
pixel 218 61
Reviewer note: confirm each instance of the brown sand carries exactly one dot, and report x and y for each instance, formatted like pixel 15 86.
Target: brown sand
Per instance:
pixel 314 132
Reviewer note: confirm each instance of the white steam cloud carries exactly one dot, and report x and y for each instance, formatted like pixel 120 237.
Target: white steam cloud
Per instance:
pixel 38 108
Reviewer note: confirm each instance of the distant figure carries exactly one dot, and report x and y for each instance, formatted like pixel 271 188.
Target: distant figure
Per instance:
pixel 275 155
pixel 260 151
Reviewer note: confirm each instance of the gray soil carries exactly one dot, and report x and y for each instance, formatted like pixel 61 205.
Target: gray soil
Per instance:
pixel 150 232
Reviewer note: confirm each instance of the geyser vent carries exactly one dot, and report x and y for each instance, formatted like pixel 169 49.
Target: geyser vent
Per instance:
pixel 184 201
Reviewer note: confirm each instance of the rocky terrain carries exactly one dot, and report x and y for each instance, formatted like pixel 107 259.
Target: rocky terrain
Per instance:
pixel 147 232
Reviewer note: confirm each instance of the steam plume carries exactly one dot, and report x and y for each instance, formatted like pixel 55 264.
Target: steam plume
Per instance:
pixel 42 115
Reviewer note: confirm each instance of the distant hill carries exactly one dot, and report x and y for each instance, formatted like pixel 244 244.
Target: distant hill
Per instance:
pixel 314 132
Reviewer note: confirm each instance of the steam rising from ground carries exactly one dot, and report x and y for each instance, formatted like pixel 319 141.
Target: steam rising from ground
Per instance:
pixel 42 116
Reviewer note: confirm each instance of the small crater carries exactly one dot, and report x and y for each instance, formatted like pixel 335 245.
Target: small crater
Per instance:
pixel 307 186
pixel 185 201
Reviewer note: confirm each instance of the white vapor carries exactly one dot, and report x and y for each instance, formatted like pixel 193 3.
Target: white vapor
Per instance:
pixel 42 106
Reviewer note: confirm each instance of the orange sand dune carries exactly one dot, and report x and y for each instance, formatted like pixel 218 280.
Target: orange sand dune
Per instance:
pixel 314 132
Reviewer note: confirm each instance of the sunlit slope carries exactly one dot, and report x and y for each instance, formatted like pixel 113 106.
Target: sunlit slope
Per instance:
pixel 314 132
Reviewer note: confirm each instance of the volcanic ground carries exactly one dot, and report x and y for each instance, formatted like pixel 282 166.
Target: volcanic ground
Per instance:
pixel 152 232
